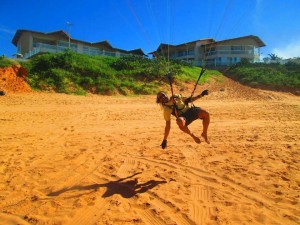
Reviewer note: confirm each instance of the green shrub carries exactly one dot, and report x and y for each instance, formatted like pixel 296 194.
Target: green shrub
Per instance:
pixel 71 72
pixel 145 68
pixel 268 74
pixel 6 62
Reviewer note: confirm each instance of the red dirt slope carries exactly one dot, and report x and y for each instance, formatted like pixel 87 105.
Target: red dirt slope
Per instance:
pixel 12 79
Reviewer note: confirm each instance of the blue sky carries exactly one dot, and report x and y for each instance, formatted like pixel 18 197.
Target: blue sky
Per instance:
pixel 132 24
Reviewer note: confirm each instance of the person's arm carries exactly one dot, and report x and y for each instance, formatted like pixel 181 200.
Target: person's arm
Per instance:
pixel 166 134
pixel 188 100
pixel 167 129
pixel 197 97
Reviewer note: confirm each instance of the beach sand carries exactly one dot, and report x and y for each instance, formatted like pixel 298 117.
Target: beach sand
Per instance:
pixel 68 159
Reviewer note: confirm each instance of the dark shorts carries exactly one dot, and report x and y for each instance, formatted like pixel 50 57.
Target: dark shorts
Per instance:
pixel 191 115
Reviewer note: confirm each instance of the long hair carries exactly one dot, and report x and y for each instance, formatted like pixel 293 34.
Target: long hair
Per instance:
pixel 158 97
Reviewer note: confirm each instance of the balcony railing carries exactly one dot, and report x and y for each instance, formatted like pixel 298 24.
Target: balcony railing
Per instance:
pixel 43 48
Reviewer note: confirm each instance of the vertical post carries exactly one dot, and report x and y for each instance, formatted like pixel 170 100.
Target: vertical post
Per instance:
pixel 187 53
pixel 69 33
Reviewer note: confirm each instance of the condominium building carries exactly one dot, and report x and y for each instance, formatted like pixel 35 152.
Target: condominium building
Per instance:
pixel 30 43
pixel 203 52
pixel 211 53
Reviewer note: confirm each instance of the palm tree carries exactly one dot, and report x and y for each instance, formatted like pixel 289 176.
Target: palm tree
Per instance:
pixel 273 56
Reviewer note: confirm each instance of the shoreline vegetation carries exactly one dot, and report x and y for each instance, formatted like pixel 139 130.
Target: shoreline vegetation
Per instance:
pixel 79 74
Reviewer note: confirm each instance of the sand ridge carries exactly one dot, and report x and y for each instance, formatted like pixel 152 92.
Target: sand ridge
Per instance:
pixel 68 159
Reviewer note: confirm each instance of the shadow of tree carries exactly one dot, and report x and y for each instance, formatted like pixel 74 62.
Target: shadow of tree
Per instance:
pixel 126 187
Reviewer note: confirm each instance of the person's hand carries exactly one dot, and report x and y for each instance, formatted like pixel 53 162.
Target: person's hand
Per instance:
pixel 205 92
pixel 164 144
pixel 188 100
pixel 173 100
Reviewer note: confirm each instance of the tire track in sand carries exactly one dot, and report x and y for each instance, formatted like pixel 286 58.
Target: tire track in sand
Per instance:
pixel 91 214
pixel 202 209
pixel 146 215
pixel 212 181
pixel 127 166
pixel 25 205
pixel 157 206
pixel 81 166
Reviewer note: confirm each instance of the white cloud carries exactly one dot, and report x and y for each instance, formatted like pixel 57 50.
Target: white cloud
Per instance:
pixel 8 31
pixel 289 51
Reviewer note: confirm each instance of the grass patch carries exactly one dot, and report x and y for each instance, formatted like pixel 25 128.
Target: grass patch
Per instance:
pixel 6 62
pixel 75 73
pixel 275 75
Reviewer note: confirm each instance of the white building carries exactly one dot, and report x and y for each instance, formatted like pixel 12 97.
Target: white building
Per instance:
pixel 30 43
pixel 211 53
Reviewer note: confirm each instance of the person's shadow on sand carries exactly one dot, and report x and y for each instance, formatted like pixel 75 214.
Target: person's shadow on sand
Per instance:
pixel 126 189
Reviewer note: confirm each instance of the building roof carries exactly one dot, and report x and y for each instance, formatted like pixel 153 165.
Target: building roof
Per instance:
pixel 138 51
pixel 62 33
pixel 163 46
pixel 255 38
pixel 19 33
pixel 102 43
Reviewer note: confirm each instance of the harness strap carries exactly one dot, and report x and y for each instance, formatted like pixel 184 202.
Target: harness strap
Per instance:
pixel 176 109
pixel 201 73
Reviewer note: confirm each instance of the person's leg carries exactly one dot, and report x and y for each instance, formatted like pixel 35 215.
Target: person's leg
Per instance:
pixel 182 126
pixel 204 115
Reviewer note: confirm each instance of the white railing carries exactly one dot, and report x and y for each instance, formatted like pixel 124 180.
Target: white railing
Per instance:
pixel 43 48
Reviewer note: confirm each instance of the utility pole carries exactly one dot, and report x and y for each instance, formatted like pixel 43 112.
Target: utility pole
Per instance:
pixel 69 24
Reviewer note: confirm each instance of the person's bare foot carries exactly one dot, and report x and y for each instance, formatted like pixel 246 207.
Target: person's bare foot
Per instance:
pixel 205 138
pixel 196 139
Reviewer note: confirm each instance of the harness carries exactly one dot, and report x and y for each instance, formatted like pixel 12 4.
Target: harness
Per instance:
pixel 174 107
pixel 176 111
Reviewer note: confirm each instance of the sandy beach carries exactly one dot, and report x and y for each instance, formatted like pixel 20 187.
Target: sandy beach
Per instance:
pixel 68 159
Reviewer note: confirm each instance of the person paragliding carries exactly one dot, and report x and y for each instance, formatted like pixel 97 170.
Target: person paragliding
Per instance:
pixel 178 106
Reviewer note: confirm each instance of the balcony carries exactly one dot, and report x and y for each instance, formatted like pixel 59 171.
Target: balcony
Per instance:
pixel 62 47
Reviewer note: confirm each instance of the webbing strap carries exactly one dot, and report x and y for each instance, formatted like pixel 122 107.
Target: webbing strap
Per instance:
pixel 175 106
pixel 201 73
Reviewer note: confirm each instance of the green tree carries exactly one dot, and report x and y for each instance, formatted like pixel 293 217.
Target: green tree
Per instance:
pixel 273 56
